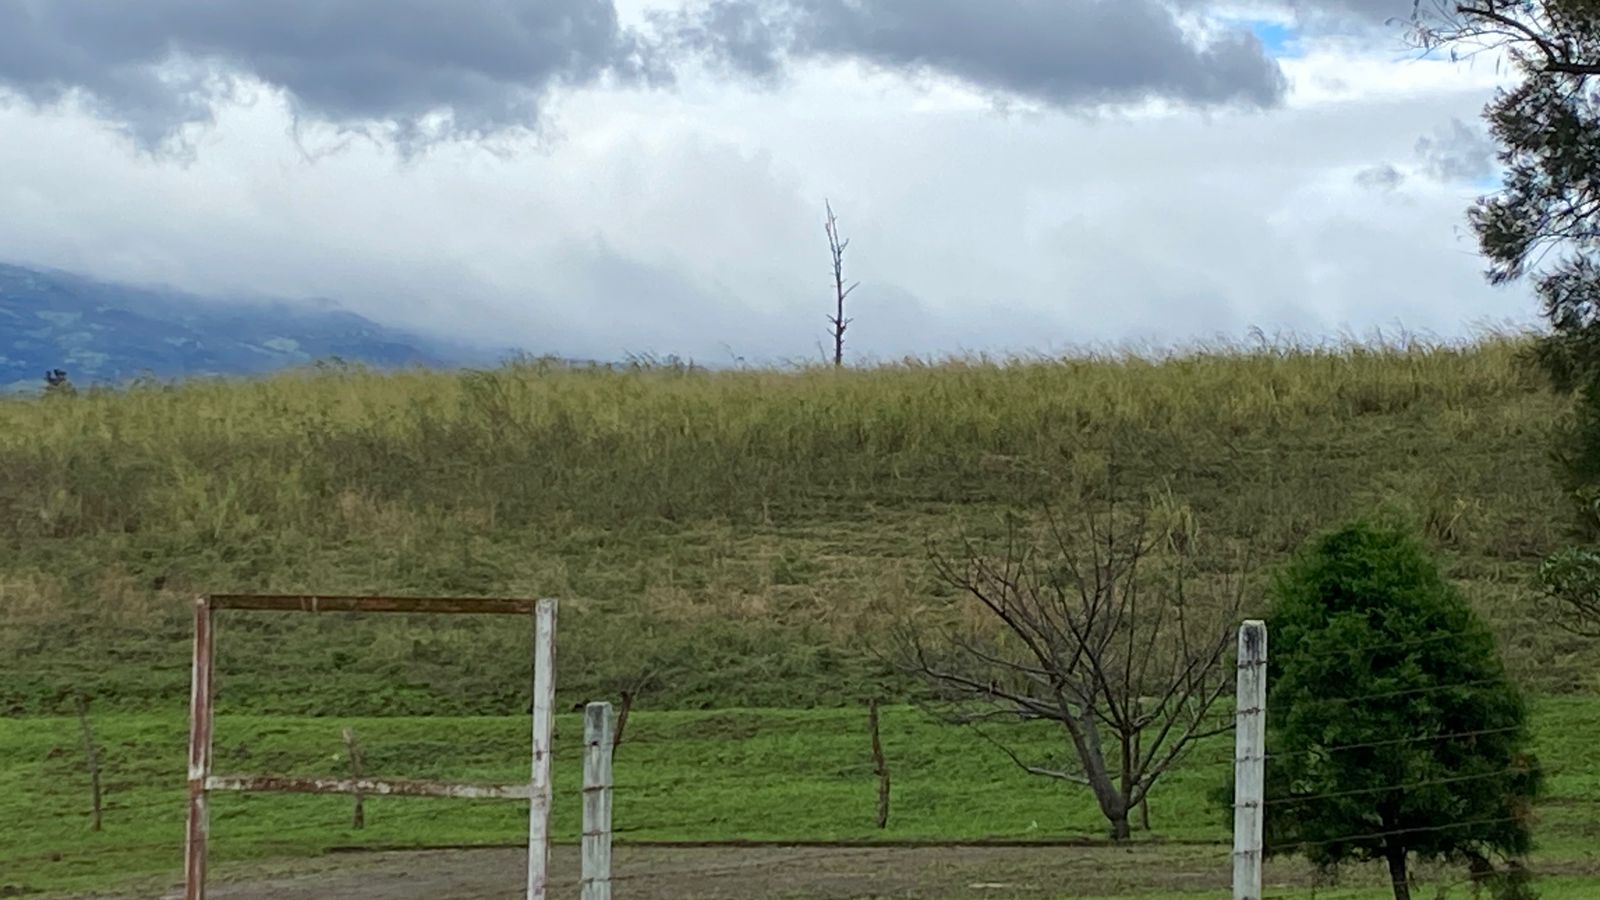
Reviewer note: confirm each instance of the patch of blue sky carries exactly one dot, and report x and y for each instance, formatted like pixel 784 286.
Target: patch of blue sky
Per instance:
pixel 1279 38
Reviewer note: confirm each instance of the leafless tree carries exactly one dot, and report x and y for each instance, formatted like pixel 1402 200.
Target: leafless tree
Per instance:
pixel 1098 629
pixel 837 319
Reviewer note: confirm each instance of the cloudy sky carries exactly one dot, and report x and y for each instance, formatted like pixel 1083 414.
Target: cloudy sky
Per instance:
pixel 597 177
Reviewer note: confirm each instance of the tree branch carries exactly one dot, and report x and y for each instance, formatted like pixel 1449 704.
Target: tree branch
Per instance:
pixel 1032 769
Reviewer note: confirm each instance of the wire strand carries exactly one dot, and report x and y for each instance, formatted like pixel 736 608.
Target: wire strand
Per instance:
pixel 1354 792
pixel 1406 692
pixel 1409 642
pixel 1367 745
pixel 1371 835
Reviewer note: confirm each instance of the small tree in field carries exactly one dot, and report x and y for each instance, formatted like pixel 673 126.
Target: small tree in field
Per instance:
pixel 1105 630
pixel 1393 732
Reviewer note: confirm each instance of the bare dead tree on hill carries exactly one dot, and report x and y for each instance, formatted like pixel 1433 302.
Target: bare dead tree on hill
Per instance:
pixel 838 319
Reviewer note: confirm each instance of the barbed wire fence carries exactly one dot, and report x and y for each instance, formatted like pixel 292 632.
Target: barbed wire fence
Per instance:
pixel 859 858
pixel 1254 803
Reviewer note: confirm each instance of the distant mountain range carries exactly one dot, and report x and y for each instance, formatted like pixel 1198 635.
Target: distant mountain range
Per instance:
pixel 109 333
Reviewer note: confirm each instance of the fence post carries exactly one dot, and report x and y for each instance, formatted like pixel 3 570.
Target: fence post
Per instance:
pixel 880 766
pixel 597 802
pixel 544 702
pixel 93 755
pixel 1250 761
pixel 622 718
pixel 199 825
pixel 352 747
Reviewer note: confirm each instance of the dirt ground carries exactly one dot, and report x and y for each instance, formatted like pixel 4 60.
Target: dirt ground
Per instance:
pixel 724 873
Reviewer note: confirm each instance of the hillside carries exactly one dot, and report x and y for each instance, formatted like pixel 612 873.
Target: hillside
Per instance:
pixel 720 538
pixel 110 333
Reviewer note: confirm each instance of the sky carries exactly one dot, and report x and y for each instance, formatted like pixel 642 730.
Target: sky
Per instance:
pixel 595 178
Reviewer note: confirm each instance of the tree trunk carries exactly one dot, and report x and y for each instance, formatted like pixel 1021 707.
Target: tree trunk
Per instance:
pixel 1397 872
pixel 1119 825
pixel 1113 805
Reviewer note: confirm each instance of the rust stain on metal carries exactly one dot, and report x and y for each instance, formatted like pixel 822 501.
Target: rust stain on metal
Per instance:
pixel 318 603
pixel 388 787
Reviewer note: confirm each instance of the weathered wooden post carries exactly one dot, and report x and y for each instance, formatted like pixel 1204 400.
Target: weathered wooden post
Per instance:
pixel 544 703
pixel 352 748
pixel 199 825
pixel 598 745
pixel 880 765
pixel 94 758
pixel 1250 761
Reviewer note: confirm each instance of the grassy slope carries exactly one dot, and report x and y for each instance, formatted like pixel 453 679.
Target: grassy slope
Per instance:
pixel 737 774
pixel 747 536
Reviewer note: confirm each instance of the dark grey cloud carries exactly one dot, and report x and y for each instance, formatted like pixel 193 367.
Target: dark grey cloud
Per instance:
pixel 1067 53
pixel 156 65
pixel 1376 10
pixel 1381 177
pixel 1460 152
pixel 1339 15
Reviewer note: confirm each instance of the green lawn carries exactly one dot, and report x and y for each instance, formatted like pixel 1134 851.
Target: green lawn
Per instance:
pixel 738 774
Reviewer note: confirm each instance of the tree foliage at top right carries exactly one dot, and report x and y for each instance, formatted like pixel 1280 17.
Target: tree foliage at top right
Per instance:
pixel 1544 223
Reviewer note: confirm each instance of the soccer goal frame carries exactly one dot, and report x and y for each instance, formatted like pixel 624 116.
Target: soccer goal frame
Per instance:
pixel 202 780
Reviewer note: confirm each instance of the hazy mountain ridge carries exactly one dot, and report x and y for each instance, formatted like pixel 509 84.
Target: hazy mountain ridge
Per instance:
pixel 102 332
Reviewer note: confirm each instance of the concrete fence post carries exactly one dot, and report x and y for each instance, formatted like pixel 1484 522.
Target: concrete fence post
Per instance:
pixel 1250 761
pixel 597 802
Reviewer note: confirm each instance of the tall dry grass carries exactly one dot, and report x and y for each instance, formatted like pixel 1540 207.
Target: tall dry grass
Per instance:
pixel 777 515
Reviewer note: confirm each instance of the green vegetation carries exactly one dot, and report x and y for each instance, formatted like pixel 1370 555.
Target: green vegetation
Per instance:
pixel 1438 736
pixel 719 540
pixel 1538 226
pixel 734 774
pixel 739 538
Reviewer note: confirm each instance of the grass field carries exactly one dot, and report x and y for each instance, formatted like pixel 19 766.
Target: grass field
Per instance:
pixel 734 546
pixel 685 776
pixel 749 536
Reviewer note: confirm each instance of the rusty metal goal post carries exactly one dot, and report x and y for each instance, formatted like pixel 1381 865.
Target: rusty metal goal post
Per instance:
pixel 202 780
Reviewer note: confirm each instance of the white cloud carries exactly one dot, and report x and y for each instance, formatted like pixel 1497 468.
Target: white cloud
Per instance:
pixel 689 221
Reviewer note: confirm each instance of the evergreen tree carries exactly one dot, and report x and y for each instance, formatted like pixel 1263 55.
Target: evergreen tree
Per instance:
pixel 1394 732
